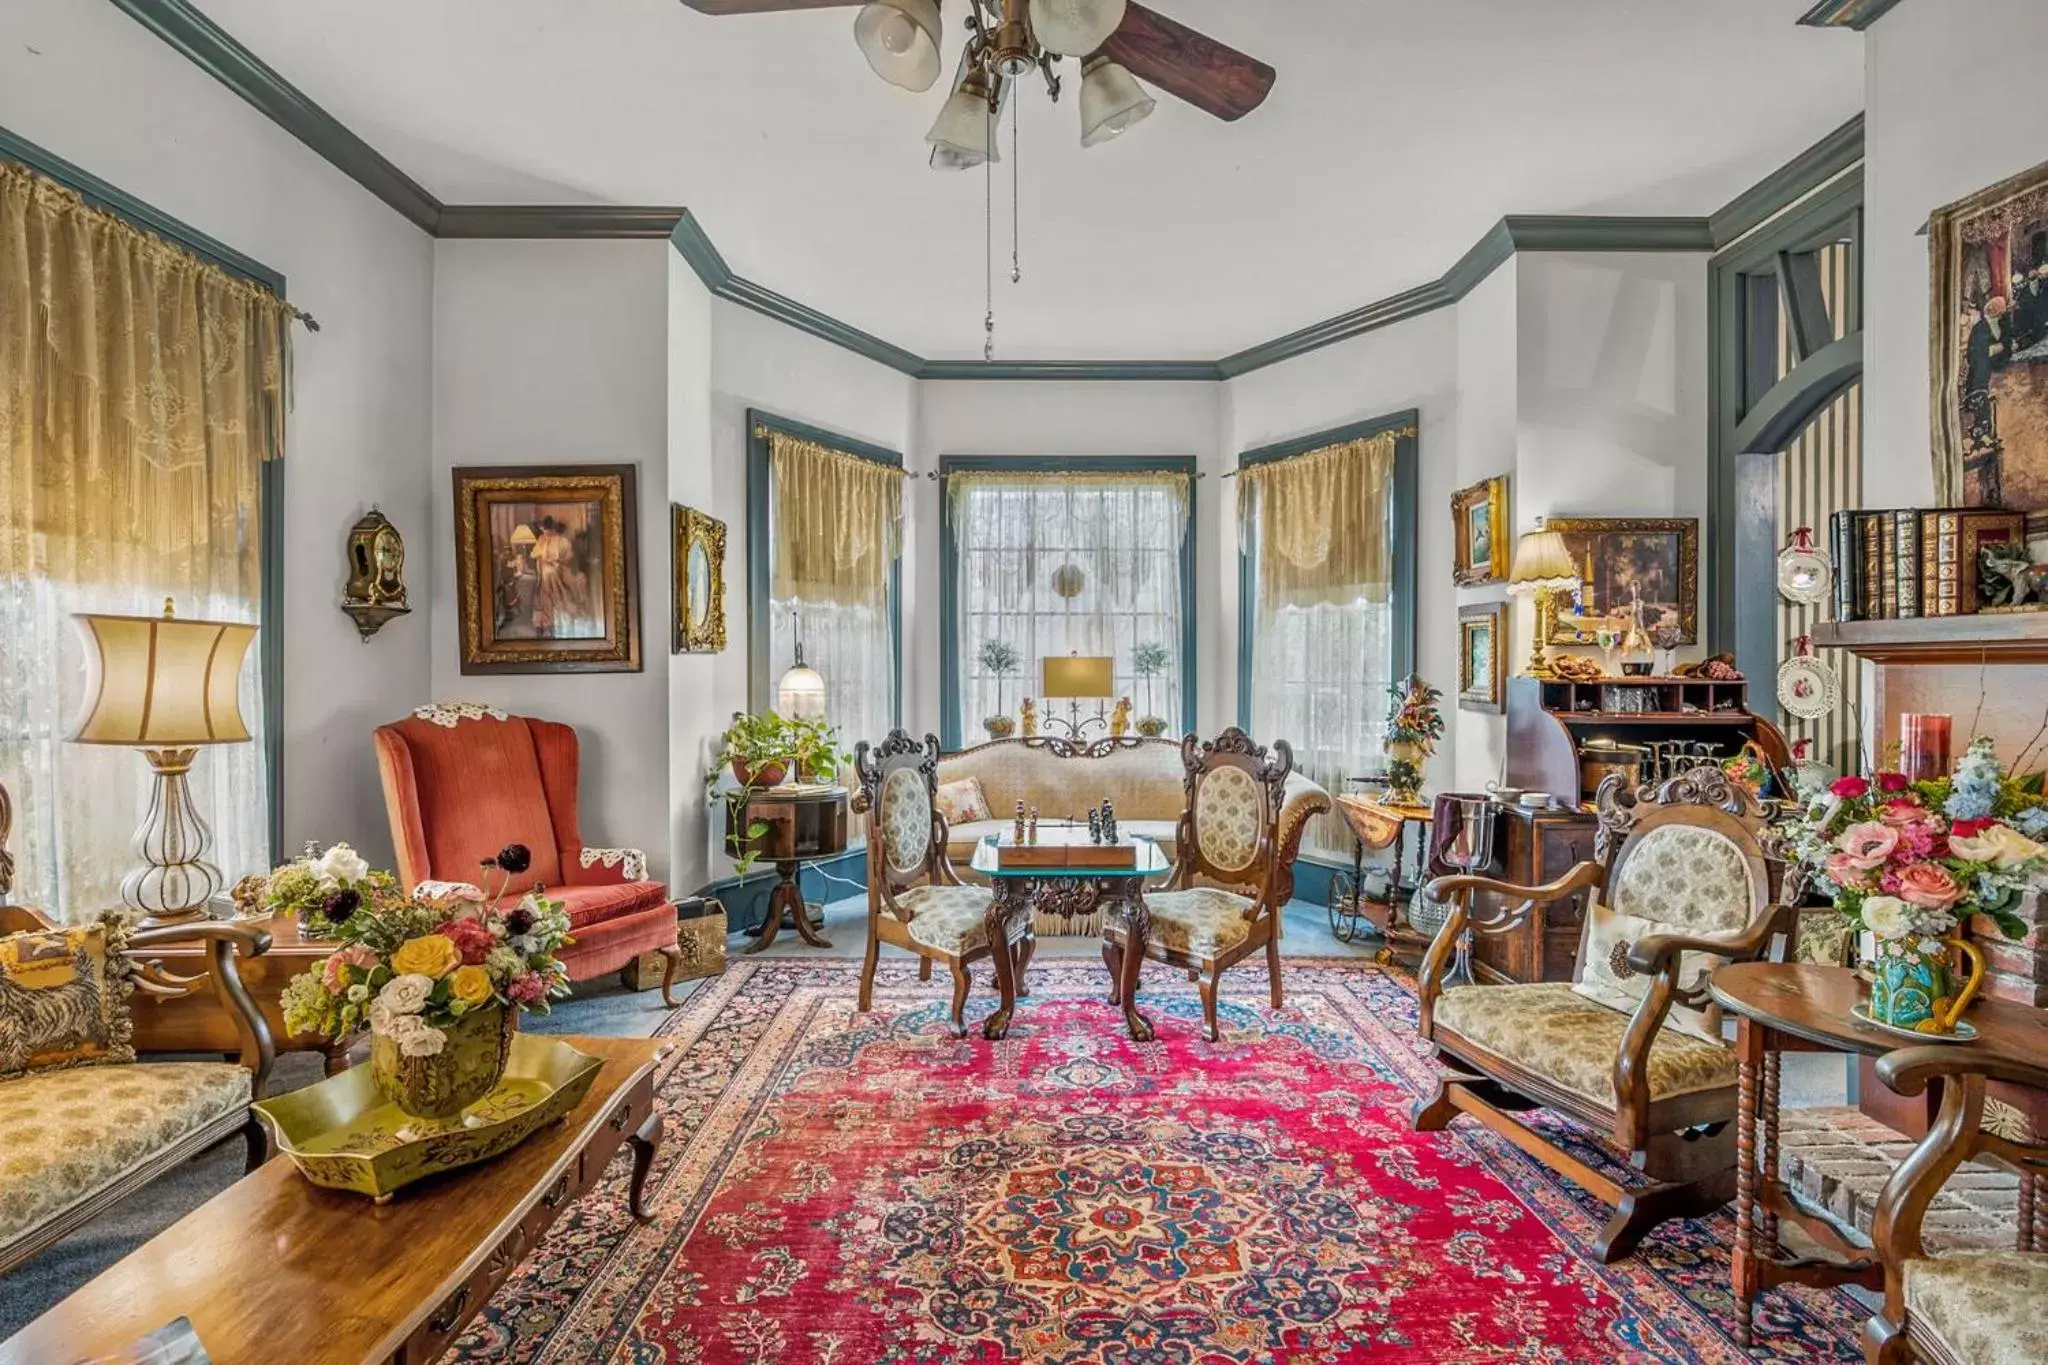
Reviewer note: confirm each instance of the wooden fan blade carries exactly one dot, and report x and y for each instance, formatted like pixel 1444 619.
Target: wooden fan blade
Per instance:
pixel 1216 79
pixel 764 6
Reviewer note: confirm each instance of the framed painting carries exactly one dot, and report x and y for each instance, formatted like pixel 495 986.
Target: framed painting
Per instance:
pixel 1483 658
pixel 548 577
pixel 1989 349
pixel 1479 531
pixel 699 560
pixel 1629 566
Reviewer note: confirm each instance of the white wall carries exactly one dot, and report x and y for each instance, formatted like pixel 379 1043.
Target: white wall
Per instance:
pixel 89 84
pixel 1081 419
pixel 1489 354
pixel 1952 95
pixel 700 686
pixel 556 353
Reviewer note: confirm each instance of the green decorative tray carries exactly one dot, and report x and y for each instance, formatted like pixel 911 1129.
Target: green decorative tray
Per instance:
pixel 344 1135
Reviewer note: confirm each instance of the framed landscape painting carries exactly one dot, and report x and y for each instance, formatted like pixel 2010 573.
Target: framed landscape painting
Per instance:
pixel 548 569
pixel 1989 350
pixel 1479 529
pixel 1483 658
pixel 1628 565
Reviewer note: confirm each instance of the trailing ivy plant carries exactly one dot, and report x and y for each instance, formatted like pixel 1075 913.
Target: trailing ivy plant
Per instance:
pixel 763 750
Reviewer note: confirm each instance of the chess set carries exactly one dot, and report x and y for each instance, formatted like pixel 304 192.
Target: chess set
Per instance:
pixel 1066 844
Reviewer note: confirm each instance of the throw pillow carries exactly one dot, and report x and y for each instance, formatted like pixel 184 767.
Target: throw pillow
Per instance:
pixel 963 802
pixel 64 997
pixel 1605 975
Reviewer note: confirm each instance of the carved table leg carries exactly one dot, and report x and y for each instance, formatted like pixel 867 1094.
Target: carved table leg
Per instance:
pixel 1137 928
pixel 1767 1222
pixel 996 925
pixel 793 898
pixel 1743 1269
pixel 645 1143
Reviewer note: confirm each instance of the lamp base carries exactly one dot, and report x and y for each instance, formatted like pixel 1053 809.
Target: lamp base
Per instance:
pixel 1539 637
pixel 175 880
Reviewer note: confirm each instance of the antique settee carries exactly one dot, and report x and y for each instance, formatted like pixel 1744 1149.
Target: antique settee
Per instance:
pixel 462 781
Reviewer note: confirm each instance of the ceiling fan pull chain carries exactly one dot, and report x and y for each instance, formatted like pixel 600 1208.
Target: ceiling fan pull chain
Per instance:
pixel 988 242
pixel 1016 198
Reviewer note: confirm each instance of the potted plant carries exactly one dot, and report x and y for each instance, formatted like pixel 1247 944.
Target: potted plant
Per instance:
pixel 762 751
pixel 755 749
pixel 1414 725
pixel 1148 661
pixel 999 659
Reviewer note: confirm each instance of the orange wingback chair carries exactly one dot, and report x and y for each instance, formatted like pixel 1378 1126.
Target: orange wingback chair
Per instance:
pixel 463 781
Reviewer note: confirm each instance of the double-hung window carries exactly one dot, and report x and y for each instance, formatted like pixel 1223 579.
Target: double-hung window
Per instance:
pixel 1049 558
pixel 1327 612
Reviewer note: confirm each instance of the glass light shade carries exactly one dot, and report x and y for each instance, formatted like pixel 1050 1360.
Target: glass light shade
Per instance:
pixel 161 683
pixel 1074 676
pixel 800 694
pixel 1075 28
pixel 962 138
pixel 900 39
pixel 1543 560
pixel 1111 101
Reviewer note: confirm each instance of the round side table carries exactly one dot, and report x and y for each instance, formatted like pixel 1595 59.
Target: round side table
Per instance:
pixel 805 825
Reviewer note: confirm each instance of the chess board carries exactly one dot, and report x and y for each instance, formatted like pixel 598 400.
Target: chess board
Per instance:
pixel 1064 846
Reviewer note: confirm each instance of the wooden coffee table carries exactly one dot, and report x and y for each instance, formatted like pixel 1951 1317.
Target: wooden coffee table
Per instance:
pixel 276 1269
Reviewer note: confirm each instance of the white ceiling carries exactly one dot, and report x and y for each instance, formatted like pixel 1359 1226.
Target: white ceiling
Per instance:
pixel 1398 132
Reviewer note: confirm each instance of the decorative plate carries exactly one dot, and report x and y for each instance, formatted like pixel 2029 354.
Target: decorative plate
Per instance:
pixel 343 1134
pixel 1805 575
pixel 1966 1032
pixel 1807 687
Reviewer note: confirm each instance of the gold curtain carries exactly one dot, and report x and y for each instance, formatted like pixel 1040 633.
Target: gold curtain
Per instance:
pixel 1321 521
pixel 838 523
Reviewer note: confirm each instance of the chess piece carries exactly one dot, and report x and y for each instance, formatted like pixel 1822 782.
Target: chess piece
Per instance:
pixel 1017 831
pixel 1094 825
pixel 1109 833
pixel 1031 830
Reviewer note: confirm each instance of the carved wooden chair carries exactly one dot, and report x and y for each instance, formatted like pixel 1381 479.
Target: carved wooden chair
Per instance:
pixel 914 899
pixel 1632 1046
pixel 1975 1307
pixel 1229 833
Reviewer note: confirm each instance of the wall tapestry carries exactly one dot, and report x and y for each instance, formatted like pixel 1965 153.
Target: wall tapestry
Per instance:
pixel 547 568
pixel 1628 565
pixel 1479 530
pixel 1989 362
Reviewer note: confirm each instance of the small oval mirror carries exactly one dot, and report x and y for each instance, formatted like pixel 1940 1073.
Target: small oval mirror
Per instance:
pixel 699 583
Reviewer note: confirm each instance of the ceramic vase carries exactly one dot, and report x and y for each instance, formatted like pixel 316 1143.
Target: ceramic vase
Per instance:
pixel 1404 792
pixel 1152 726
pixel 1000 727
pixel 467 1068
pixel 1914 988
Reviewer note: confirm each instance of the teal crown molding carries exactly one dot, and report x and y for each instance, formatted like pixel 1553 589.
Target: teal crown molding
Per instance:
pixel 221 56
pixel 1855 14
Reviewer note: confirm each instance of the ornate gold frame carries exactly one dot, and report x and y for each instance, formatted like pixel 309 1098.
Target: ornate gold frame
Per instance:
pixel 1576 529
pixel 618 651
pixel 1494 493
pixel 688 528
pixel 1488 694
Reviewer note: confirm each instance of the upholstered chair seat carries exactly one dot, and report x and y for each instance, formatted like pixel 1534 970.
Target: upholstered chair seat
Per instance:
pixel 1550 1030
pixel 1203 921
pixel 952 919
pixel 1982 1307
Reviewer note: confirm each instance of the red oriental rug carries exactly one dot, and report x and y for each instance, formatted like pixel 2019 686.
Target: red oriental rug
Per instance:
pixel 848 1189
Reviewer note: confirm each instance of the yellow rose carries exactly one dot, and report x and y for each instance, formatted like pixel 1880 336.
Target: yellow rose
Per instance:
pixel 429 955
pixel 471 985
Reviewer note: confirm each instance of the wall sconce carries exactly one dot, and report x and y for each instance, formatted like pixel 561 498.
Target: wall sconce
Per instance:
pixel 376 574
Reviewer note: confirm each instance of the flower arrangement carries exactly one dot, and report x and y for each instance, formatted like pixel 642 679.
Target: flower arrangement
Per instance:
pixel 409 968
pixel 321 889
pixel 1414 725
pixel 1908 859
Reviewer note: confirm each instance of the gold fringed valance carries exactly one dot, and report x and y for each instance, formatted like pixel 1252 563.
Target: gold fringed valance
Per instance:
pixel 838 522
pixel 141 389
pixel 961 484
pixel 1321 522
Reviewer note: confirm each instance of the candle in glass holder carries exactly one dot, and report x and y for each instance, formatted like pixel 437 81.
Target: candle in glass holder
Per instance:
pixel 1923 745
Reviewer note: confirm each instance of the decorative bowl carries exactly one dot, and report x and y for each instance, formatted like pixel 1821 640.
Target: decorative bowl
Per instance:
pixel 343 1134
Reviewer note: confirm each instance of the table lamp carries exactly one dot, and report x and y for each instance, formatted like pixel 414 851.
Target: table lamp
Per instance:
pixel 1074 677
pixel 1543 569
pixel 165 686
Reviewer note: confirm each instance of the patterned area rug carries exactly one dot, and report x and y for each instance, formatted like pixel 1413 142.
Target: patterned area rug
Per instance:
pixel 847 1189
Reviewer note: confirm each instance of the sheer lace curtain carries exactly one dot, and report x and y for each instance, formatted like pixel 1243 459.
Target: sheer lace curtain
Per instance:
pixel 1318 530
pixel 835 529
pixel 1014 532
pixel 141 389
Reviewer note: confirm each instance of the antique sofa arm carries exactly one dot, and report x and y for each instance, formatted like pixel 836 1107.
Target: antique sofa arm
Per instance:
pixel 225 944
pixel 1301 800
pixel 609 866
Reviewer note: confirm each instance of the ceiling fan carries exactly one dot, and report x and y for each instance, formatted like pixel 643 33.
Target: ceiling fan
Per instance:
pixel 1114 40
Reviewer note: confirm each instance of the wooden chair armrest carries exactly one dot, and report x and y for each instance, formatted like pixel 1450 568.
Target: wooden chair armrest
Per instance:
pixel 224 944
pixel 1909 1070
pixel 1649 953
pixel 1581 877
pixel 1429 977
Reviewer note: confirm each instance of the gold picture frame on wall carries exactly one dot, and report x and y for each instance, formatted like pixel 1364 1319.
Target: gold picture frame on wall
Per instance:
pixel 1479 532
pixel 547 569
pixel 698 542
pixel 1622 560
pixel 1483 658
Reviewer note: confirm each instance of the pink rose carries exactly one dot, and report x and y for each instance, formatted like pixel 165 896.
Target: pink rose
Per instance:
pixel 355 955
pixel 1929 886
pixel 1867 845
pixel 1844 873
pixel 528 988
pixel 1901 812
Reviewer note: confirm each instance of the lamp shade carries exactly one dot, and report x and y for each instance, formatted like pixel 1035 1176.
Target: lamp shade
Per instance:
pixel 158 682
pixel 963 137
pixel 1075 28
pixel 900 39
pixel 1543 561
pixel 1111 101
pixel 800 693
pixel 1073 676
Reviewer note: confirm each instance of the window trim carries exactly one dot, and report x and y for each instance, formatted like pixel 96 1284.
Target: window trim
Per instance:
pixel 760 630
pixel 951 728
pixel 270 496
pixel 1406 458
